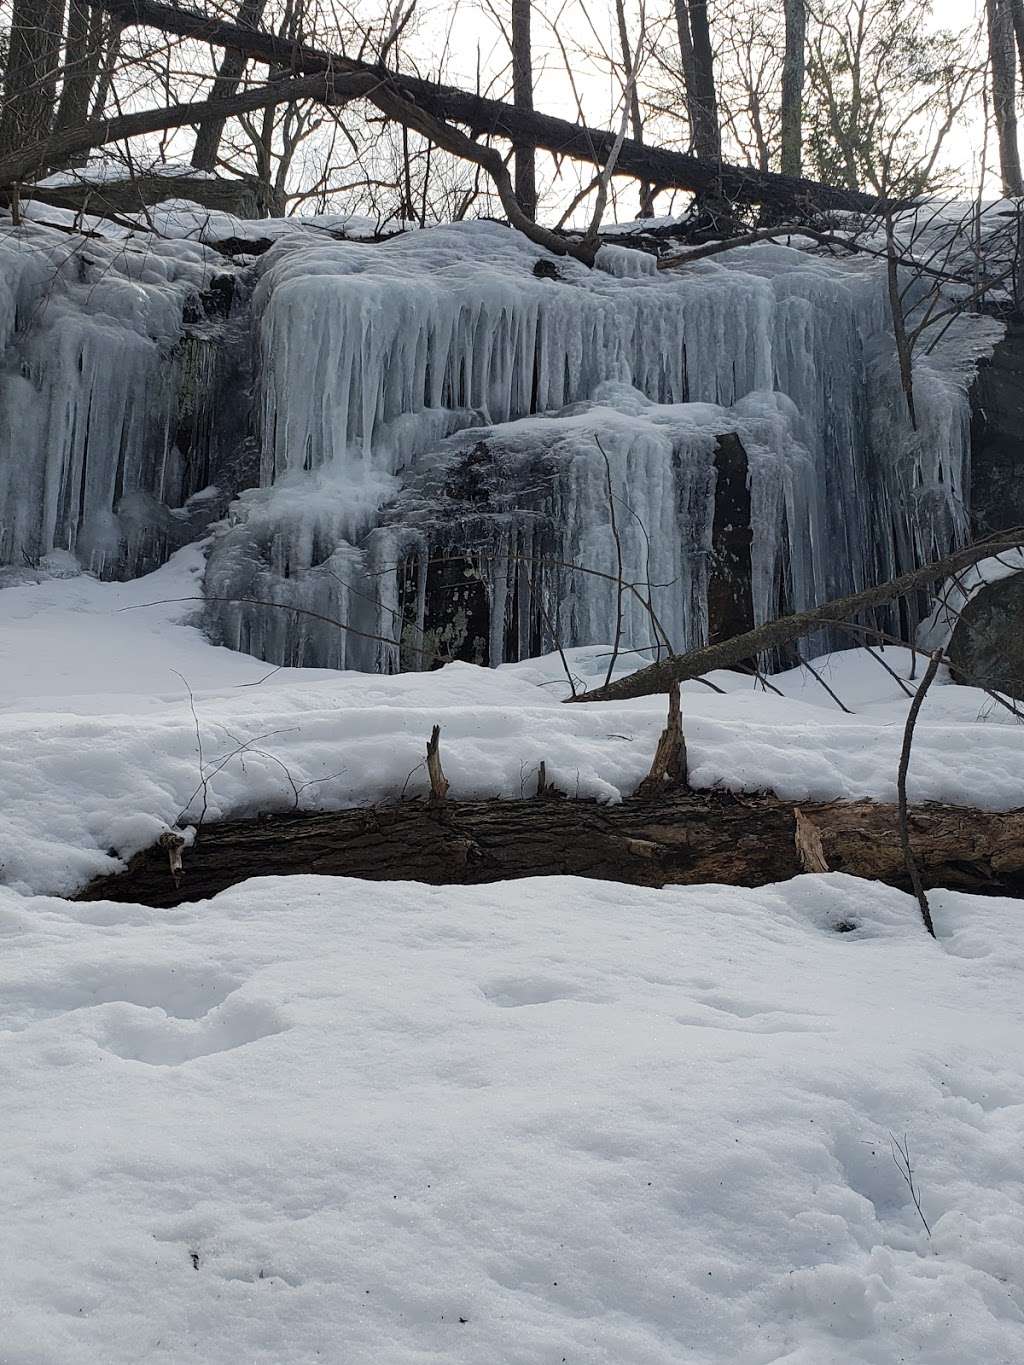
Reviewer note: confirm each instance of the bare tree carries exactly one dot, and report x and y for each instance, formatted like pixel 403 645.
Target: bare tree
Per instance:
pixel 697 58
pixel 629 69
pixel 83 59
pixel 885 88
pixel 1003 63
pixel 522 92
pixel 30 80
pixel 793 69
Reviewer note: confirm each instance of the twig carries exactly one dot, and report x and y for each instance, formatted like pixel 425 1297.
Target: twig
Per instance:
pixel 901 787
pixel 901 1156
pixel 818 678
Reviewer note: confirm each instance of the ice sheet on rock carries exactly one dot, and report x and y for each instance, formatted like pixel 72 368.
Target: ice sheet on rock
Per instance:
pixel 91 392
pixel 370 356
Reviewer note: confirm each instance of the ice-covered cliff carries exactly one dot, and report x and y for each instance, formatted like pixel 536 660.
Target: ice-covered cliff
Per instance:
pixel 453 444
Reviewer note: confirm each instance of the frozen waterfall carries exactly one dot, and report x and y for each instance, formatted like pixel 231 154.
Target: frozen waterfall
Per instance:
pixel 452 444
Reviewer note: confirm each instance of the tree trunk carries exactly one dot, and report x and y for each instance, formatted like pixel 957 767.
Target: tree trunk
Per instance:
pixel 112 45
pixel 632 94
pixel 703 99
pixel 686 64
pixel 83 58
pixel 522 93
pixel 1017 18
pixel 1004 94
pixel 676 839
pixel 229 73
pixel 30 81
pixel 793 68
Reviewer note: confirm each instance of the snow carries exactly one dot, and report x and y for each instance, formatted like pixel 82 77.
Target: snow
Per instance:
pixel 538 1121
pixel 551 1120
pixel 104 171
pixel 99 752
pixel 185 219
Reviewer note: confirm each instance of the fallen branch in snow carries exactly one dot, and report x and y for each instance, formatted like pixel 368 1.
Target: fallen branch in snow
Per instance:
pixel 786 630
pixel 681 838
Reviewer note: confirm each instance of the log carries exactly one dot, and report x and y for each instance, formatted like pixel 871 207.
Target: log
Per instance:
pixel 495 118
pixel 674 839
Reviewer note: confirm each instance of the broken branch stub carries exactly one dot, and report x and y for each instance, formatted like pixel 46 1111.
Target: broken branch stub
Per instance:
pixel 669 766
pixel 438 781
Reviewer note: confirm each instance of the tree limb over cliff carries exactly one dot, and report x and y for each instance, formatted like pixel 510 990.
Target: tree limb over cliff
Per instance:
pixel 786 630
pixel 494 118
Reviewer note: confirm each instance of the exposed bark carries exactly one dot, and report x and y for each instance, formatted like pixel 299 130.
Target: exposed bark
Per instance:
pixel 669 768
pixel 793 70
pixel 497 119
pixel 1004 93
pixel 111 52
pixel 678 839
pixel 30 79
pixel 686 61
pixel 229 73
pixel 522 94
pixel 1017 18
pixel 786 630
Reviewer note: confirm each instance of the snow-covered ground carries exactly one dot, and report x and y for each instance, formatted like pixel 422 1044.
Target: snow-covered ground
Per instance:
pixel 99 750
pixel 546 1121
pixel 321 1120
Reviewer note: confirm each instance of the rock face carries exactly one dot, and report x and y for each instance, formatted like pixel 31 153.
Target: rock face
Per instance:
pixel 997 436
pixel 987 647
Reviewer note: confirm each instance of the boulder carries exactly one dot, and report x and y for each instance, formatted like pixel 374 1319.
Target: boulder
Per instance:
pixel 987 645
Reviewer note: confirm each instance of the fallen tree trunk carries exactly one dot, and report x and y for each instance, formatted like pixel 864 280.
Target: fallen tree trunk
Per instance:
pixel 483 116
pixel 679 839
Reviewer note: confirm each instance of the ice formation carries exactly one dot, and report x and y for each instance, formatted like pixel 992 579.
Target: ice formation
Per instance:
pixel 445 443
pixel 94 378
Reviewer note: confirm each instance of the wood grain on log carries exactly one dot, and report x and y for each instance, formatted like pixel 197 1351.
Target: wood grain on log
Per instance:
pixel 678 839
